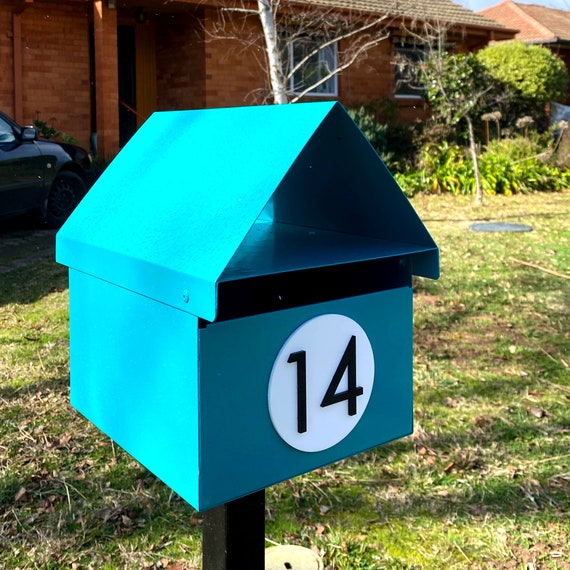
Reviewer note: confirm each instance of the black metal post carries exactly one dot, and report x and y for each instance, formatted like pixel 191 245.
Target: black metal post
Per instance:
pixel 234 535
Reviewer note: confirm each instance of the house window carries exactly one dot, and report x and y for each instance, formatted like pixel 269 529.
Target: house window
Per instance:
pixel 315 63
pixel 409 82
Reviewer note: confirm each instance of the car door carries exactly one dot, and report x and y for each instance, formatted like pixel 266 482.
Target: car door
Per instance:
pixel 21 172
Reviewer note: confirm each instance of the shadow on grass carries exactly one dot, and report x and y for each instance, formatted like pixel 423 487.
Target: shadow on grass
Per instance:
pixel 68 491
pixel 13 392
pixel 27 266
pixel 472 490
pixel 524 216
pixel 29 283
pixel 87 514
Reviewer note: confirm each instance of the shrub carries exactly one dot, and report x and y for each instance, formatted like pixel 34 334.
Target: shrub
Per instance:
pixel 508 166
pixel 531 75
pixel 442 168
pixel 518 165
pixel 46 131
pixel 393 141
pixel 374 131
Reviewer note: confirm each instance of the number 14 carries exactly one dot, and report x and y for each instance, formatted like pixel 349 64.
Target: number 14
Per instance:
pixel 347 363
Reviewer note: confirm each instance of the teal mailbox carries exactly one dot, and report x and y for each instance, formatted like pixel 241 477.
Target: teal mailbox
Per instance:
pixel 240 297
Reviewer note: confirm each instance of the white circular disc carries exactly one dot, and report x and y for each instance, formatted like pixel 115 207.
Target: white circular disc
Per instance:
pixel 321 382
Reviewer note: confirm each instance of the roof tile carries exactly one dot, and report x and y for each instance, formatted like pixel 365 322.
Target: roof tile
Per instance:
pixel 535 23
pixel 443 11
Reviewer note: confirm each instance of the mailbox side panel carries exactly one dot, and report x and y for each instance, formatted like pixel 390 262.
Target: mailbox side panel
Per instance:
pixel 241 450
pixel 134 375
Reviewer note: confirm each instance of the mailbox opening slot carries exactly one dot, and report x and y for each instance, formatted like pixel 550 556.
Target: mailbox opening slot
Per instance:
pixel 274 292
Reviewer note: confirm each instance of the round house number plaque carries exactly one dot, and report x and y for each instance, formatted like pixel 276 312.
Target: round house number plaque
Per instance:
pixel 321 382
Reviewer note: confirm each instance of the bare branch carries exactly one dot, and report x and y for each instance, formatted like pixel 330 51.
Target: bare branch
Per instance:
pixel 341 67
pixel 338 38
pixel 281 24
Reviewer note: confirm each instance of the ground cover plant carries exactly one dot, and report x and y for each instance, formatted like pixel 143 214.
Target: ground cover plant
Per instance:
pixel 483 482
pixel 506 166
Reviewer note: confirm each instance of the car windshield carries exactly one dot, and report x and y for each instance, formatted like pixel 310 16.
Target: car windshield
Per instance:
pixel 6 132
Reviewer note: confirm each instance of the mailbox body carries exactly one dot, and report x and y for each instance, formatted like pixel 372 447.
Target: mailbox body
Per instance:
pixel 190 403
pixel 177 320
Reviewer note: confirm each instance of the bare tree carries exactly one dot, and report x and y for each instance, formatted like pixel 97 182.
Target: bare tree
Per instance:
pixel 298 38
pixel 457 86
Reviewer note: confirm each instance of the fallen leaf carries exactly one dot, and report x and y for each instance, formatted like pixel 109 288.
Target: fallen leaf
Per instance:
pixel 482 421
pixel 536 412
pixel 20 494
pixel 478 510
pixel 64 440
pixel 513 470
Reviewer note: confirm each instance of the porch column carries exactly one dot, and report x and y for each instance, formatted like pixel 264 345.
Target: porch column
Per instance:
pixel 17 66
pixel 106 79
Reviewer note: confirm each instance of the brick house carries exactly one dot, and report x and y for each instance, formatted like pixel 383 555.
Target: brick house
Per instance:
pixel 540 25
pixel 103 66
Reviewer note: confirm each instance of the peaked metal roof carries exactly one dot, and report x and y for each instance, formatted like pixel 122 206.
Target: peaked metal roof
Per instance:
pixel 198 197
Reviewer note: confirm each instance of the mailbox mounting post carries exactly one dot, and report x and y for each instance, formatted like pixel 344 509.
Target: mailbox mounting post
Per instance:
pixel 234 534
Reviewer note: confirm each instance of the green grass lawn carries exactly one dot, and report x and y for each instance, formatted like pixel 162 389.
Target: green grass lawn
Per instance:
pixel 484 481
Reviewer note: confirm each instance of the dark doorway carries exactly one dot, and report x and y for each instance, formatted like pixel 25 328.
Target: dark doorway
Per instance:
pixel 127 83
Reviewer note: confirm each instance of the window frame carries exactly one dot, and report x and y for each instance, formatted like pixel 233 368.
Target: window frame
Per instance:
pixel 403 47
pixel 326 56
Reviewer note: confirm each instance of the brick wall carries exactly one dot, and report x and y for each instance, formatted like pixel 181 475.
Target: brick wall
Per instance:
pixel 197 67
pixel 371 77
pixel 6 58
pixel 55 60
pixel 564 54
pixel 180 61
pixel 234 74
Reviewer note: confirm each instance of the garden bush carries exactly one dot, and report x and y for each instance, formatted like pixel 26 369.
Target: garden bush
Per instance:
pixel 374 131
pixel 507 166
pixel 531 75
pixel 392 140
pixel 49 132
pixel 519 165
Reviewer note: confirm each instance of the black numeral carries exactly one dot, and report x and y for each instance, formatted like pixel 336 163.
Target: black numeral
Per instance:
pixel 332 396
pixel 348 363
pixel 301 359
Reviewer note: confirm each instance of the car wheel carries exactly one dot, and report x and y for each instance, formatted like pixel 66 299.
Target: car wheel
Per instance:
pixel 66 192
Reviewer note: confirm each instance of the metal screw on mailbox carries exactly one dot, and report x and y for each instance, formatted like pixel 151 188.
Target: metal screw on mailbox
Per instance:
pixel 185 296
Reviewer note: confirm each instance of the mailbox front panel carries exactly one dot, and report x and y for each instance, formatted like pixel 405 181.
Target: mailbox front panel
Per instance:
pixel 240 446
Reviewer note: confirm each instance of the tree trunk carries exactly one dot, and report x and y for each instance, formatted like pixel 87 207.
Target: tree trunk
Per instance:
pixel 473 150
pixel 277 78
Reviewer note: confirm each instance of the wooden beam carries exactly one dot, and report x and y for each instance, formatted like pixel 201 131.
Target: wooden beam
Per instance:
pixel 106 79
pixel 17 67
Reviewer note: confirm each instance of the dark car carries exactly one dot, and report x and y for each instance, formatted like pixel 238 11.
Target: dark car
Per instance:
pixel 44 177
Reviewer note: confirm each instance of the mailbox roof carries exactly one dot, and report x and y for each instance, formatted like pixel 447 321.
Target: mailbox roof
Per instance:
pixel 198 197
